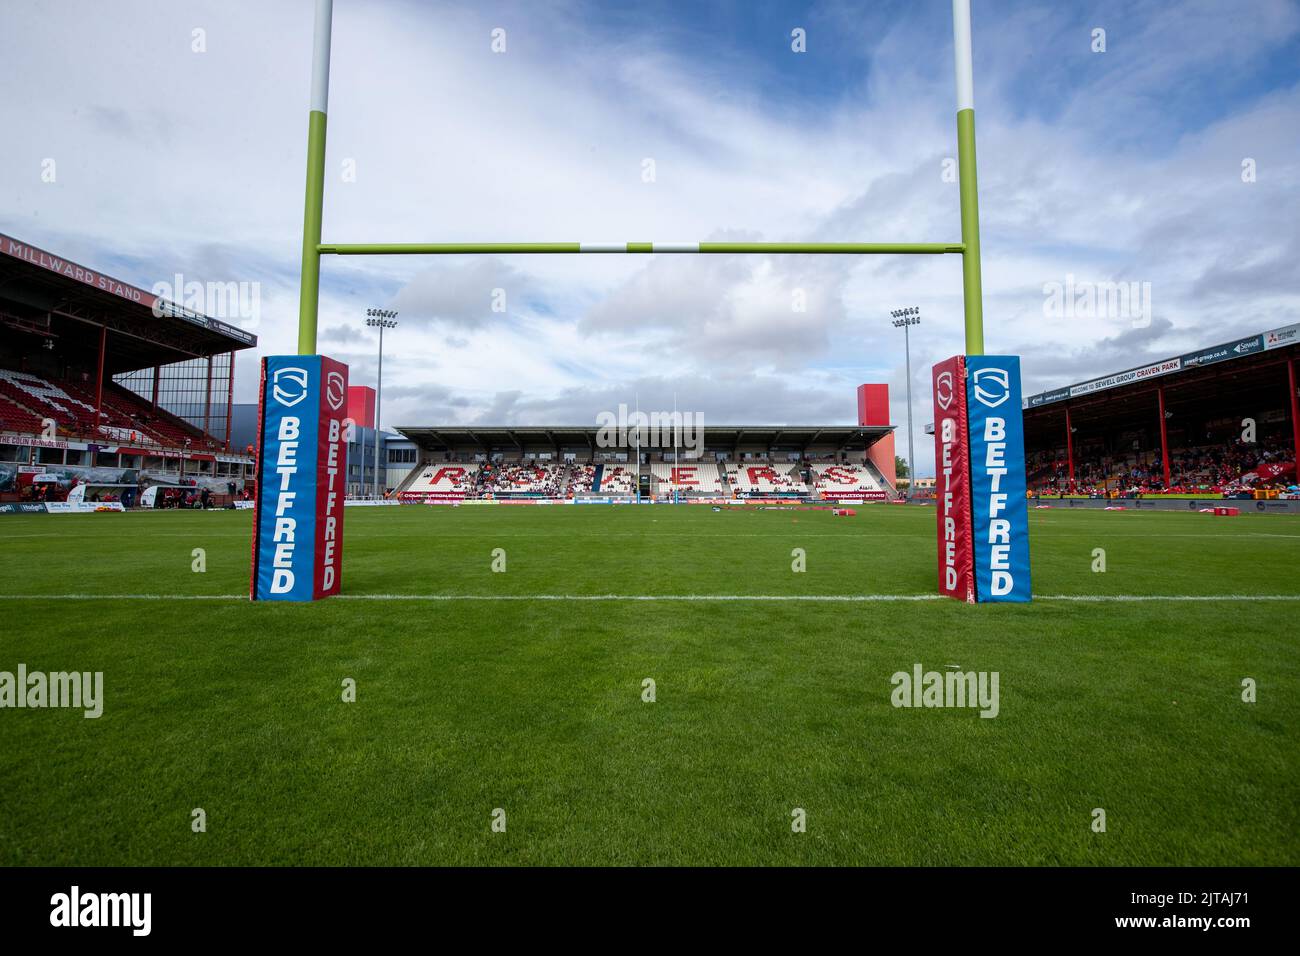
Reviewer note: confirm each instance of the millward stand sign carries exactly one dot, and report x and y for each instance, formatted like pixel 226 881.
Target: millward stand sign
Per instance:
pixel 301 455
pixel 979 450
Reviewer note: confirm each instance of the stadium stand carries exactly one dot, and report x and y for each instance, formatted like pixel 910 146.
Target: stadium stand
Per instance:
pixel 15 417
pixel 765 478
pixel 445 479
pixel 846 477
pixel 690 478
pixel 617 480
pixel 580 463
pixel 30 398
pixel 107 390
pixel 578 479
pixel 1226 468
pixel 44 399
pixel 1222 419
pixel 537 478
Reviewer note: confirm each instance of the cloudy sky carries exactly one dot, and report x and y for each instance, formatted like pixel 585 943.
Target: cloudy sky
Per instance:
pixel 149 138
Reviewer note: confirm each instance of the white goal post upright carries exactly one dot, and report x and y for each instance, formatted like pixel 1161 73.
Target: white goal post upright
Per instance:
pixel 313 248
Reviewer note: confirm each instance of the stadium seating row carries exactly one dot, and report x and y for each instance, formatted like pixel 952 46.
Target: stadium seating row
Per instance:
pixel 1226 467
pixel 617 480
pixel 27 399
pixel 687 477
pixel 693 478
pixel 764 478
pixel 580 479
pixel 474 478
pixel 845 477
pixel 445 479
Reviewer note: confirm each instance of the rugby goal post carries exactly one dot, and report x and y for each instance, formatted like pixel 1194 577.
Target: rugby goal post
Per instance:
pixel 313 248
pixel 974 560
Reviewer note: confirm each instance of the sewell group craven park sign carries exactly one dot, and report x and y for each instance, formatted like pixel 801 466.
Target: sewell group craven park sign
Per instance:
pixel 301 457
pixel 979 450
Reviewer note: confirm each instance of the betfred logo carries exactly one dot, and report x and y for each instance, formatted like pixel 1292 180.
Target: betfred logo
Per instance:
pixel 992 386
pixel 330 507
pixel 336 390
pixel 284 538
pixel 947 503
pixel 289 385
pixel 943 390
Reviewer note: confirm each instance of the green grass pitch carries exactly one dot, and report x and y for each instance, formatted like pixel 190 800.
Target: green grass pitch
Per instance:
pixel 535 706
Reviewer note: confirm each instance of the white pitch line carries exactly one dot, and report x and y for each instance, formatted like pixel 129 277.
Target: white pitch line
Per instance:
pixel 1166 597
pixel 812 598
pixel 834 598
pixel 489 597
pixel 123 597
pixel 831 598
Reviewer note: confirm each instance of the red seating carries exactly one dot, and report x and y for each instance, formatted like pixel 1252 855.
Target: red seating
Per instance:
pixel 15 418
pixel 26 399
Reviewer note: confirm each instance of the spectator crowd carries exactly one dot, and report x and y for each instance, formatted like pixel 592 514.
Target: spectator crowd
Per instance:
pixel 1234 468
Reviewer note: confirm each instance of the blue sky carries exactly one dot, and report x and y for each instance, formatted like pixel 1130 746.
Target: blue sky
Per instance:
pixel 1124 165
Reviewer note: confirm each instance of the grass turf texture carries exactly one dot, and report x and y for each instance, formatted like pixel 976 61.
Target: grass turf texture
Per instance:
pixel 535 706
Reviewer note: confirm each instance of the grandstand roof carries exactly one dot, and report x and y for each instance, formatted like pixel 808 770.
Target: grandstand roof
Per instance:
pixel 1284 338
pixel 50 298
pixel 1245 373
pixel 843 437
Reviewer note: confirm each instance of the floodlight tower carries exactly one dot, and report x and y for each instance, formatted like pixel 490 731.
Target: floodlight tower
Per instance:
pixel 905 319
pixel 379 319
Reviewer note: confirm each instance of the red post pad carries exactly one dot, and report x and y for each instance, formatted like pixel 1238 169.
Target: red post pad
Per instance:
pixel 952 485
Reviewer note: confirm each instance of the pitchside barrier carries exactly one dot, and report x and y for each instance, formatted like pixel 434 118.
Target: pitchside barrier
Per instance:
pixel 61 507
pixel 992 567
pixel 1247 506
